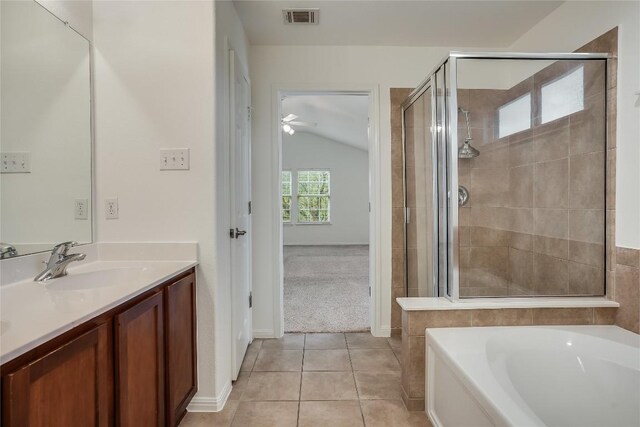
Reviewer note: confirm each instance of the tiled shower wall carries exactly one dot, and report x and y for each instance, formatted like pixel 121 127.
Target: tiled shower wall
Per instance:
pixel 535 220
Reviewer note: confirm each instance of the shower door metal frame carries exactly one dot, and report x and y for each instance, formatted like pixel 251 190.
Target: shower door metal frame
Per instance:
pixel 451 138
pixel 428 83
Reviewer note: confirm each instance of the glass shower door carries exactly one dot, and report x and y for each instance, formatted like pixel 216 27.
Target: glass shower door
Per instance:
pixel 419 196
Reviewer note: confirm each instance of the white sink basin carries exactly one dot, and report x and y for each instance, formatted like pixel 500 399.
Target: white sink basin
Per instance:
pixel 106 278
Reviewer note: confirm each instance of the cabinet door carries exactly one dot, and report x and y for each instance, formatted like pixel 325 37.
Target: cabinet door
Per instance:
pixel 71 386
pixel 180 333
pixel 139 339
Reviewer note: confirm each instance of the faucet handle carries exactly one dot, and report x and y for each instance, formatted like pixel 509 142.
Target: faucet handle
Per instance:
pixel 63 248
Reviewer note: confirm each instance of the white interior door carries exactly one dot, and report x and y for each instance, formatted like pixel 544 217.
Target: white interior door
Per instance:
pixel 240 230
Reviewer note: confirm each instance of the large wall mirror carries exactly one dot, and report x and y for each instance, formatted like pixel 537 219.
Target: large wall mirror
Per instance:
pixel 45 134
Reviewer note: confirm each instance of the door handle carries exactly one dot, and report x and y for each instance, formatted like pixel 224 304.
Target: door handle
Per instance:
pixel 234 234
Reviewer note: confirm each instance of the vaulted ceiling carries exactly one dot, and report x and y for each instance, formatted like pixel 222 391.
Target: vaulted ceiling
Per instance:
pixel 342 118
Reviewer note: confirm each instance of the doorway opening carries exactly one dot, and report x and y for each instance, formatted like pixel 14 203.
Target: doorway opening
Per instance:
pixel 325 212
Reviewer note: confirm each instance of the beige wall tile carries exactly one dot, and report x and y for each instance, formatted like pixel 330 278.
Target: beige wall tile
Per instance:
pixel 420 320
pixel 551 222
pixel 521 241
pixel 562 316
pixel 586 280
pixel 628 295
pixel 521 268
pixel 586 184
pixel 521 151
pixel 551 142
pixel 521 187
pixel 604 316
pixel 551 184
pixel 587 225
pixel 628 257
pixel 489 187
pixel 551 246
pixel 587 253
pixel 502 317
pixel 482 236
pixel 551 275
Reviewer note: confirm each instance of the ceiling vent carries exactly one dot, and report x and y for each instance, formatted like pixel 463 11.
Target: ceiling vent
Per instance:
pixel 301 16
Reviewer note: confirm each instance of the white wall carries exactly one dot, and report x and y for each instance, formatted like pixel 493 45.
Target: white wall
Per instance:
pixel 349 201
pixel 321 67
pixel 158 78
pixel 569 27
pixel 46 103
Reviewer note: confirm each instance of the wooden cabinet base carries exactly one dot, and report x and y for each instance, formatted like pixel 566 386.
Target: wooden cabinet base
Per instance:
pixel 70 381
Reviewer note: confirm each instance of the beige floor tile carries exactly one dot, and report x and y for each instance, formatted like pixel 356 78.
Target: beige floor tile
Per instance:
pixel 395 342
pixel 378 385
pixel 377 360
pixel 266 414
pixel 344 413
pixel 326 360
pixel 391 413
pixel 287 342
pixel 324 341
pixel 328 386
pixel 239 385
pixel 279 360
pixel 207 419
pixel 251 355
pixel 365 340
pixel 273 386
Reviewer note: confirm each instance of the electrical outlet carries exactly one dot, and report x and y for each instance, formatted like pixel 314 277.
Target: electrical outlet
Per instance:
pixel 15 163
pixel 111 208
pixel 174 159
pixel 82 209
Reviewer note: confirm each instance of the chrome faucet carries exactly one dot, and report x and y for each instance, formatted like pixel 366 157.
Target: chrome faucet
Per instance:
pixel 58 262
pixel 7 251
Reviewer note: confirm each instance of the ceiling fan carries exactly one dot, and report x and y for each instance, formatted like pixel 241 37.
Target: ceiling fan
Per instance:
pixel 289 121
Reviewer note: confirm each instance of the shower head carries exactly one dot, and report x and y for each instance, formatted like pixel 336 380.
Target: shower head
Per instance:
pixel 466 151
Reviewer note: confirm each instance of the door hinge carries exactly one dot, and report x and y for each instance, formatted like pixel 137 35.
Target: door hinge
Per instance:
pixel 249 207
pixel 250 299
pixel 249 112
pixel 369 290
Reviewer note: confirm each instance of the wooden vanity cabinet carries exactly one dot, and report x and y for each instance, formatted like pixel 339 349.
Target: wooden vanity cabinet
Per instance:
pixel 132 366
pixel 180 344
pixel 140 369
pixel 70 386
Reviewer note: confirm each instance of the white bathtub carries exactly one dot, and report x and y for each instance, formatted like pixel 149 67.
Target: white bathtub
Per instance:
pixel 571 376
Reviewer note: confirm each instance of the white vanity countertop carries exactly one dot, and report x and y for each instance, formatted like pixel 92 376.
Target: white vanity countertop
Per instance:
pixel 32 313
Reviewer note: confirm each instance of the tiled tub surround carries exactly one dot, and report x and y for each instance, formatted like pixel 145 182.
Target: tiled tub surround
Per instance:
pixel 33 313
pixel 415 321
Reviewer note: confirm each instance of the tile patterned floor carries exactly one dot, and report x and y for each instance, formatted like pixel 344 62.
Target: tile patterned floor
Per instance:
pixel 316 380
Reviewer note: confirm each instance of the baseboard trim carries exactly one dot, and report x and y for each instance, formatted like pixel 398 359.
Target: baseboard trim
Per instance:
pixel 263 333
pixel 210 404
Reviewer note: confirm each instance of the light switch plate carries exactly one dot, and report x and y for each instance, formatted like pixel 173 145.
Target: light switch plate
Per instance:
pixel 174 159
pixel 111 210
pixel 15 163
pixel 81 209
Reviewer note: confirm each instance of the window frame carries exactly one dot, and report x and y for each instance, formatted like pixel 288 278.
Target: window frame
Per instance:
pixel 283 195
pixel 327 196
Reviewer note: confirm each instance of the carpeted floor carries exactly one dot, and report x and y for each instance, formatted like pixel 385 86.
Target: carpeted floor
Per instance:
pixel 326 288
